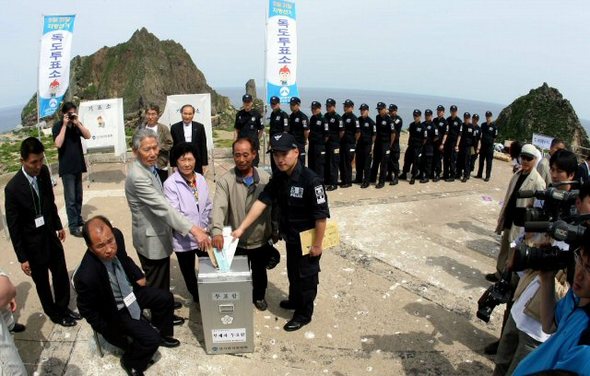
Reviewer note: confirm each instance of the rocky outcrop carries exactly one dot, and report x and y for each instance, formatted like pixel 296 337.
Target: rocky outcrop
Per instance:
pixel 542 110
pixel 251 89
pixel 142 70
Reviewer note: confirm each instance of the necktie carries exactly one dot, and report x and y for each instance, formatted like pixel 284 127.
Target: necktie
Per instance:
pixel 155 173
pixel 134 310
pixel 35 185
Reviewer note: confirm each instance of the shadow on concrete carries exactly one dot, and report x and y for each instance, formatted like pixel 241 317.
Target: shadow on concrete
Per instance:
pixel 52 365
pixel 22 293
pixel 468 226
pixel 30 349
pixel 486 247
pixel 472 277
pixel 113 176
pixel 89 211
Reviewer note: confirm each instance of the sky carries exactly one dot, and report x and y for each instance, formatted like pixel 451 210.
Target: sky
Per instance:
pixel 485 50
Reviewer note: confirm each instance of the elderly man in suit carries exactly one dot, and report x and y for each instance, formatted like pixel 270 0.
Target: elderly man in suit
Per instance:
pixel 112 292
pixel 36 232
pixel 192 132
pixel 153 219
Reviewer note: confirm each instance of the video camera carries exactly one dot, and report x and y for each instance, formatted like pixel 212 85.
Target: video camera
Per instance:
pixel 557 204
pixel 498 293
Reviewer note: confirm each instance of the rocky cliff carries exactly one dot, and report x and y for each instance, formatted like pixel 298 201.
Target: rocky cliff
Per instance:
pixel 542 110
pixel 142 70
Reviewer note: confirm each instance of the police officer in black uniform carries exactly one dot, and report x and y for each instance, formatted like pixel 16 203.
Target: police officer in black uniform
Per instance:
pixel 299 195
pixel 383 142
pixel 278 122
pixel 318 136
pixel 364 147
pixel 437 160
pixel 489 132
pixel 393 167
pixel 352 132
pixel 466 147
pixel 249 124
pixel 451 145
pixel 335 133
pixel 430 136
pixel 415 142
pixel 477 132
pixel 299 126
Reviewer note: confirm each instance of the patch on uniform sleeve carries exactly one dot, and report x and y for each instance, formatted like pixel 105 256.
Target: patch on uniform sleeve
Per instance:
pixel 320 195
pixel 297 192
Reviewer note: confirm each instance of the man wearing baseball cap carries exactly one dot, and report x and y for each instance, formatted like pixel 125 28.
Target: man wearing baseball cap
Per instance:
pixel 352 131
pixel 303 204
pixel 335 134
pixel 441 126
pixel 364 147
pixel 489 132
pixel 318 135
pixel 414 149
pixel 299 126
pixel 383 142
pixel 450 144
pixel 249 124
pixel 393 167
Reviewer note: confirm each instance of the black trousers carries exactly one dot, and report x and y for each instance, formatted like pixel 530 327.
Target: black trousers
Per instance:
pixel 394 154
pixel 363 161
pixel 346 156
pixel 450 161
pixel 437 163
pixel 186 263
pixel 257 259
pixel 303 280
pixel 473 159
pixel 144 336
pixel 486 155
pixel 380 161
pixel 464 162
pixel 54 307
pixel 157 272
pixel 425 166
pixel 317 159
pixel 302 154
pixel 332 163
pixel 412 160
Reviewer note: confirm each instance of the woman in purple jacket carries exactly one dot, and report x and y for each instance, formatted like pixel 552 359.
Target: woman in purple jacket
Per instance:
pixel 187 192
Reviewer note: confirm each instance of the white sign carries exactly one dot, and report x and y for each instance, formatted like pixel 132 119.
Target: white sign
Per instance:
pixel 202 105
pixel 104 120
pixel 228 335
pixel 542 141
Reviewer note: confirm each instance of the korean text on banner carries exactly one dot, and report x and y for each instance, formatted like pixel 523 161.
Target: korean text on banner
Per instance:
pixel 542 141
pixel 54 62
pixel 281 50
pixel 104 120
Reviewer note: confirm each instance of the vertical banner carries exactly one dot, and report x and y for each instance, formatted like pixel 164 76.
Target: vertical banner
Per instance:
pixel 54 62
pixel 281 50
pixel 104 120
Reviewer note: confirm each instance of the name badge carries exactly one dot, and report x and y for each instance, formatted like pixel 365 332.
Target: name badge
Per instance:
pixel 39 221
pixel 129 299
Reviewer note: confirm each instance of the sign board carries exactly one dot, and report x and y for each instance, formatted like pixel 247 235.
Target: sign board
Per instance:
pixel 104 120
pixel 542 141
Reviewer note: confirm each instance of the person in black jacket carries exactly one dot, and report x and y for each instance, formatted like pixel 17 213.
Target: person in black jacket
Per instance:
pixel 36 232
pixel 112 292
pixel 318 136
pixel 348 143
pixel 489 132
pixel 192 132
pixel 364 147
pixel 249 123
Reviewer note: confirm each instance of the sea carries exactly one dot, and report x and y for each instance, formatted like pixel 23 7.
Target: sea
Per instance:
pixel 10 115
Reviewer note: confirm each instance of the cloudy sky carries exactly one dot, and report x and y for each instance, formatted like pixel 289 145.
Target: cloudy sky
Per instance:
pixel 484 50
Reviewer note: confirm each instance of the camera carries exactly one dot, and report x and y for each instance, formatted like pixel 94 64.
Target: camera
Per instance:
pixel 557 204
pixel 497 294
pixel 72 116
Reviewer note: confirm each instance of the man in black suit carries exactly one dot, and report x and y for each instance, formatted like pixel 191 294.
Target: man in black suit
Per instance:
pixel 112 292
pixel 36 231
pixel 193 132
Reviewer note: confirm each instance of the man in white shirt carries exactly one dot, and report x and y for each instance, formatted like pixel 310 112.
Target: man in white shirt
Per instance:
pixel 192 132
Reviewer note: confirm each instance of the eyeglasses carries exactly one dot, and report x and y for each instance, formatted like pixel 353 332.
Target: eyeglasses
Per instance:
pixel 580 262
pixel 526 157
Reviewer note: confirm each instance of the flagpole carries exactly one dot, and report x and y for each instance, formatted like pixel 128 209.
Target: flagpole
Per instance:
pixel 264 103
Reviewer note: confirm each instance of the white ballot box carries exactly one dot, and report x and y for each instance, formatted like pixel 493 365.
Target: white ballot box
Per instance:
pixel 226 307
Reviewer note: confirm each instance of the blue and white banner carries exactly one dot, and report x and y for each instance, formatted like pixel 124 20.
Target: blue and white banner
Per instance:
pixel 54 62
pixel 281 50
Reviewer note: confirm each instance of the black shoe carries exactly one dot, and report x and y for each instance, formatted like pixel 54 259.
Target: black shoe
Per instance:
pixel 76 232
pixel 294 325
pixel 403 176
pixel 464 180
pixel 478 176
pixel 177 305
pixel 261 305
pixel 286 304
pixel 347 185
pixel 422 181
pixel 394 181
pixel 65 321
pixel 364 185
pixel 331 188
pixel 169 342
pixel 436 179
pixel 18 328
pixel 130 371
pixel 492 277
pixel 177 320
pixel 450 180
pixel 74 315
pixel 412 181
pixel 492 348
pixel 380 185
pixel 486 179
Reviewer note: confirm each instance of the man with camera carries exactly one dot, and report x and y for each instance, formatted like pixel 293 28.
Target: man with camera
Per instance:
pixel 522 331
pixel 66 135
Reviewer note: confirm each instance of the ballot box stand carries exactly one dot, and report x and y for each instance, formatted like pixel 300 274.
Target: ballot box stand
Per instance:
pixel 226 307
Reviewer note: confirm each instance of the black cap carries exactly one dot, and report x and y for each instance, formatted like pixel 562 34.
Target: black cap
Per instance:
pixel 316 104
pixel 417 112
pixel 453 108
pixel 488 113
pixel 428 112
pixel 275 100
pixel 330 102
pixel 348 103
pixel 440 107
pixel 364 106
pixel 246 98
pixel 295 100
pixel 392 107
pixel 475 116
pixel 467 115
pixel 282 142
pixel 381 105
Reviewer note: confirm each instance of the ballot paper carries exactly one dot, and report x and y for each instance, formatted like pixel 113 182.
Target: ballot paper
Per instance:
pixel 331 238
pixel 225 256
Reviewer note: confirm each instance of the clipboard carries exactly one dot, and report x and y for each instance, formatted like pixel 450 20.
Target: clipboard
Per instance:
pixel 331 238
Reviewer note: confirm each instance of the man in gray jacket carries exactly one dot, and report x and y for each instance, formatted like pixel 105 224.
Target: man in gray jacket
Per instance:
pixel 236 191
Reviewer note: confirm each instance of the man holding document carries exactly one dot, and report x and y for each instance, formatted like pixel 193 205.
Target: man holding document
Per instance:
pixel 299 195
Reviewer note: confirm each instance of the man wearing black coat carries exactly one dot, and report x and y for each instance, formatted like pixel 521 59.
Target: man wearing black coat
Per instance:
pixel 192 132
pixel 112 292
pixel 36 232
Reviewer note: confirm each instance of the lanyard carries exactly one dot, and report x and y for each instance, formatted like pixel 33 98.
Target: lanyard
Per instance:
pixel 36 201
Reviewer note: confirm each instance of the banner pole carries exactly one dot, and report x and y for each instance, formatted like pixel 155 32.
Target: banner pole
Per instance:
pixel 264 103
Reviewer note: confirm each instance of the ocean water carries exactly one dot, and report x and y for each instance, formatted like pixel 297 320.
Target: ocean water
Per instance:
pixel 10 117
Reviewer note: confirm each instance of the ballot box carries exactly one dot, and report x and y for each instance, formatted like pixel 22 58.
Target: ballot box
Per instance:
pixel 226 307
